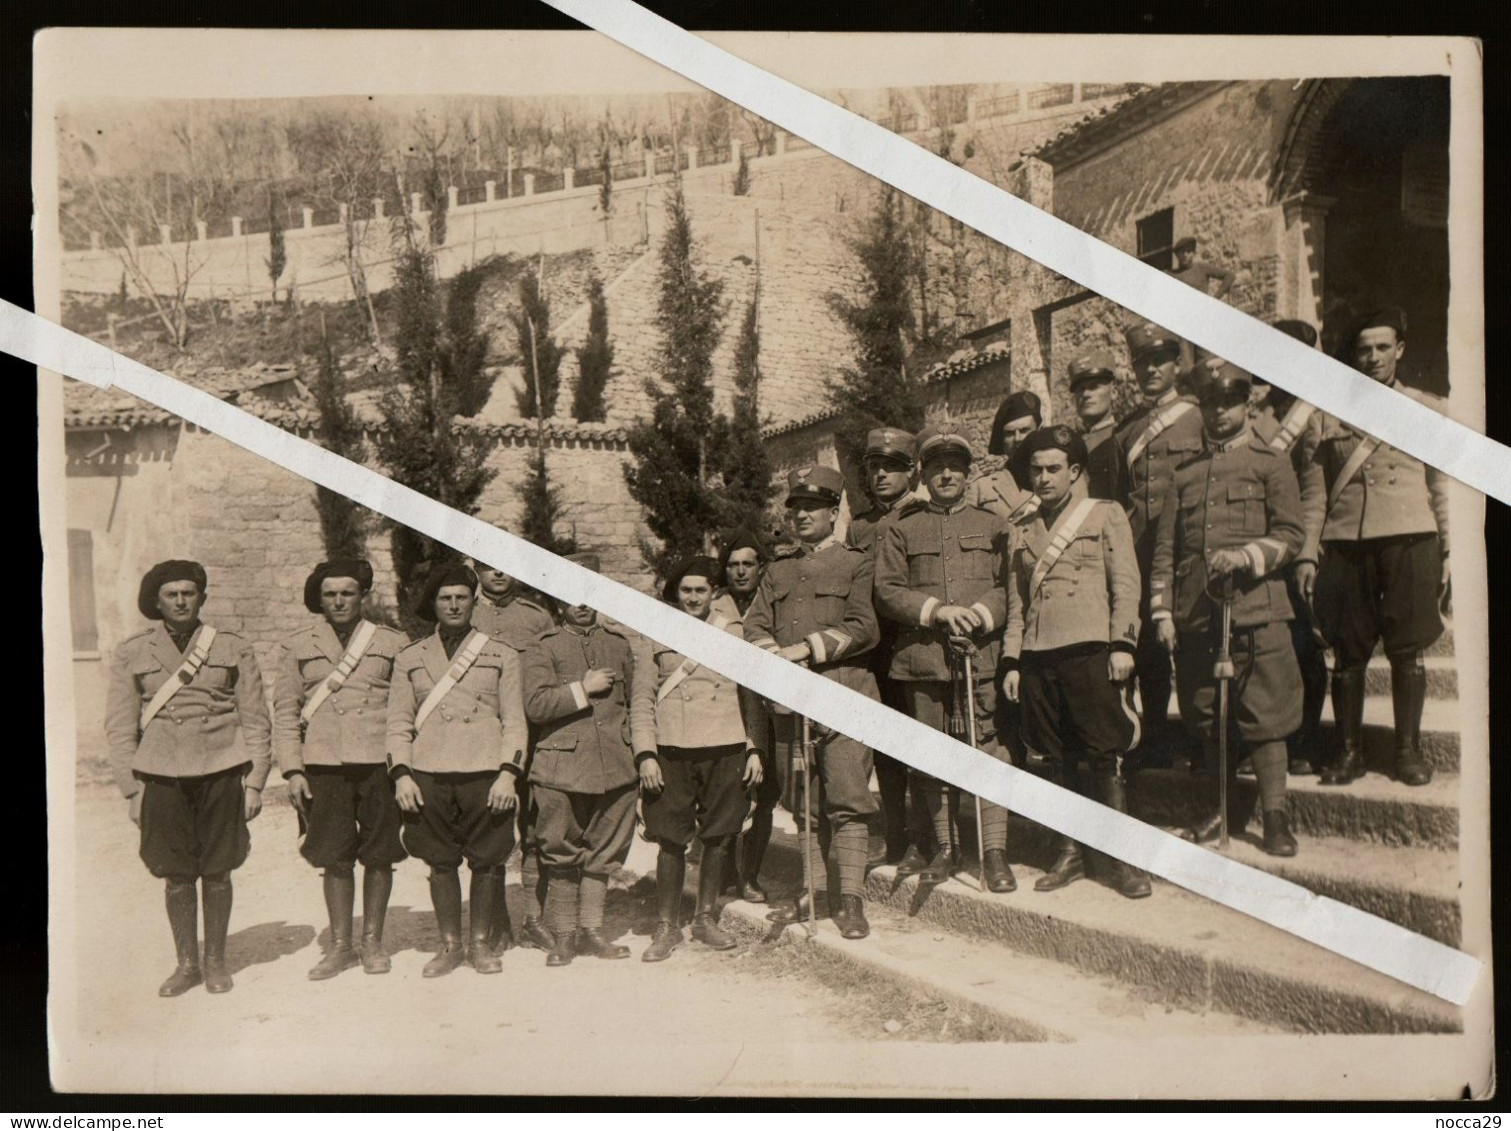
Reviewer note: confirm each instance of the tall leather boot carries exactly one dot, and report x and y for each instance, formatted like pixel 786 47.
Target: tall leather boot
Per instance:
pixel 182 901
pixel 1408 693
pixel 706 929
pixel 216 892
pixel 446 898
pixel 500 931
pixel 756 838
pixel 480 922
pixel 340 894
pixel 671 872
pixel 377 886
pixel 1121 877
pixel 1348 719
pixel 1304 747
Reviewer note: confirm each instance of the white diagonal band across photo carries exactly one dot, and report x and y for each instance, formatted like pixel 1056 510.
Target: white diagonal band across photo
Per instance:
pixel 1382 945
pixel 1451 447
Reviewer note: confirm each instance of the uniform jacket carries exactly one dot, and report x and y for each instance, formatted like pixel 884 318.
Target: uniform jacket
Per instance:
pixel 865 528
pixel 1090 595
pixel 703 709
pixel 1106 462
pixel 1240 494
pixel 217 720
pixel 1393 493
pixel 725 604
pixel 352 724
pixel 518 622
pixel 1300 444
pixel 479 725
pixel 930 557
pixel 1149 475
pixel 998 493
pixel 585 744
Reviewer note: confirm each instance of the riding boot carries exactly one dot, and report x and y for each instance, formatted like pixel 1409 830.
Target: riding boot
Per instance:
pixel 1121 877
pixel 446 897
pixel 480 922
pixel 377 885
pixel 1068 867
pixel 671 873
pixel 182 901
pixel 216 892
pixel 706 929
pixel 340 895
pixel 756 838
pixel 1348 719
pixel 1408 693
pixel 500 931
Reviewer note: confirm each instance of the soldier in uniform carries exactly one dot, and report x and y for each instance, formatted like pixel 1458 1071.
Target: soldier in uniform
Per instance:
pixel 939 576
pixel 456 747
pixel 701 735
pixel 1384 564
pixel 1072 625
pixel 580 678
pixel 891 466
pixel 188 732
pixel 1092 377
pixel 1162 432
pixel 1005 492
pixel 1294 428
pixel 1232 516
pixel 517 615
pixel 330 710
pixel 815 608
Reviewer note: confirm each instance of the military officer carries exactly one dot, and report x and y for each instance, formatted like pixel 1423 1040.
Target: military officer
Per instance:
pixel 456 747
pixel 891 465
pixel 939 574
pixel 580 678
pixel 815 608
pixel 1072 626
pixel 1231 522
pixel 1004 492
pixel 1294 428
pixel 188 732
pixel 517 615
pixel 1160 433
pixel 1384 564
pixel 1092 378
pixel 330 711
pixel 698 737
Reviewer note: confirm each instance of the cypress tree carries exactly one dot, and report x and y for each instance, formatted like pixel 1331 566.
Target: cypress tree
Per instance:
pixel 595 358
pixel 341 520
pixel 532 331
pixel 277 258
pixel 542 508
pixel 747 467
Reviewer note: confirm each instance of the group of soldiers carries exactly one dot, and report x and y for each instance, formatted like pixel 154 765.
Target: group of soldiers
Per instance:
pixel 1223 529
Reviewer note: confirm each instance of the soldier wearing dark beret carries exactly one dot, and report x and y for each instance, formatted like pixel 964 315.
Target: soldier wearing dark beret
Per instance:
pixel 1005 492
pixel 814 608
pixel 1384 573
pixel 1232 521
pixel 330 712
pixel 1092 378
pixel 456 747
pixel 188 732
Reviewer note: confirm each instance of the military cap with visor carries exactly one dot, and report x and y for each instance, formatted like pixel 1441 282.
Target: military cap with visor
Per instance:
pixel 357 569
pixel 1097 365
pixel 1215 378
pixel 166 573
pixel 1146 339
pixel 934 442
pixel 891 443
pixel 819 483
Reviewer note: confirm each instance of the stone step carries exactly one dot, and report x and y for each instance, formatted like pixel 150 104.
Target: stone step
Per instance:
pixel 1030 998
pixel 1442 677
pixel 1441 724
pixel 1180 949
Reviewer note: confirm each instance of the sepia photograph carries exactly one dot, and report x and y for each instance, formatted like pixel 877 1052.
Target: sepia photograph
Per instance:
pixel 335 808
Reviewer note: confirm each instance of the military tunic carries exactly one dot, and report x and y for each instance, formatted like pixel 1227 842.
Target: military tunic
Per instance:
pixel 1000 494
pixel 1106 465
pixel 516 620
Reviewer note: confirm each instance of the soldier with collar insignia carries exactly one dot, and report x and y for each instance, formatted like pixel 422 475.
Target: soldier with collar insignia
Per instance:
pixel 814 608
pixel 580 679
pixel 188 731
pixel 1158 435
pixel 456 747
pixel 1005 492
pixel 1232 516
pixel 330 710
pixel 1092 377
pixel 1072 625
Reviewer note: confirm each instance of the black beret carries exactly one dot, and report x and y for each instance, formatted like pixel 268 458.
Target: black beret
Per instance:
pixel 443 574
pixel 699 566
pixel 1391 316
pixel 742 539
pixel 1067 440
pixel 1015 407
pixel 164 573
pixel 1296 328
pixel 357 569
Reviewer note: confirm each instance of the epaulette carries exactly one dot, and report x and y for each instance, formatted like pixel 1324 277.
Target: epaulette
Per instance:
pixel 137 635
pixel 913 506
pixel 782 553
pixel 609 624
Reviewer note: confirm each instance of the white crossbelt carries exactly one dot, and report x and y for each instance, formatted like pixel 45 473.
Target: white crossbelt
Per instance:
pixel 1069 528
pixel 1161 421
pixel 471 649
pixel 685 668
pixel 1351 468
pixel 194 659
pixel 1290 428
pixel 356 648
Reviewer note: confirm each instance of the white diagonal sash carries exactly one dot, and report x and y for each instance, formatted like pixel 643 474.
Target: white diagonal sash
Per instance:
pixel 685 668
pixel 1351 467
pixel 194 659
pixel 1162 420
pixel 465 658
pixel 1295 420
pixel 356 648
pixel 1069 528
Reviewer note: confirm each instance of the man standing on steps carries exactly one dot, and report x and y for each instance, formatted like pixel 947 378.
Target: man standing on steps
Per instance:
pixel 456 748
pixel 698 738
pixel 741 567
pixel 188 732
pixel 939 577
pixel 1002 492
pixel 1231 522
pixel 580 678
pixel 1162 432
pixel 1294 428
pixel 891 466
pixel 330 716
pixel 1092 377
pixel 1072 625
pixel 814 608
pixel 516 615
pixel 1384 571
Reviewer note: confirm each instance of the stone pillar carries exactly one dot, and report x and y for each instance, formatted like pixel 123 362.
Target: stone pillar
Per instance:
pixel 451 196
pixel 341 212
pixel 529 184
pixel 692 156
pixel 166 232
pixel 416 205
pixel 94 241
pixel 781 142
pixel 236 223
pixel 201 230
pixel 1036 184
pixel 650 164
pixel 735 148
pixel 377 208
pixel 309 216
pixel 1075 94
pixel 490 191
pixel 569 177
pixel 1301 263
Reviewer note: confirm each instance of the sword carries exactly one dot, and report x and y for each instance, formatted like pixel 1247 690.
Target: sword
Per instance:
pixel 970 728
pixel 805 744
pixel 1223 671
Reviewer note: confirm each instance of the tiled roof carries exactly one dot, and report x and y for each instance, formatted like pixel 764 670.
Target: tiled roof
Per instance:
pixel 967 361
pixel 1114 120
